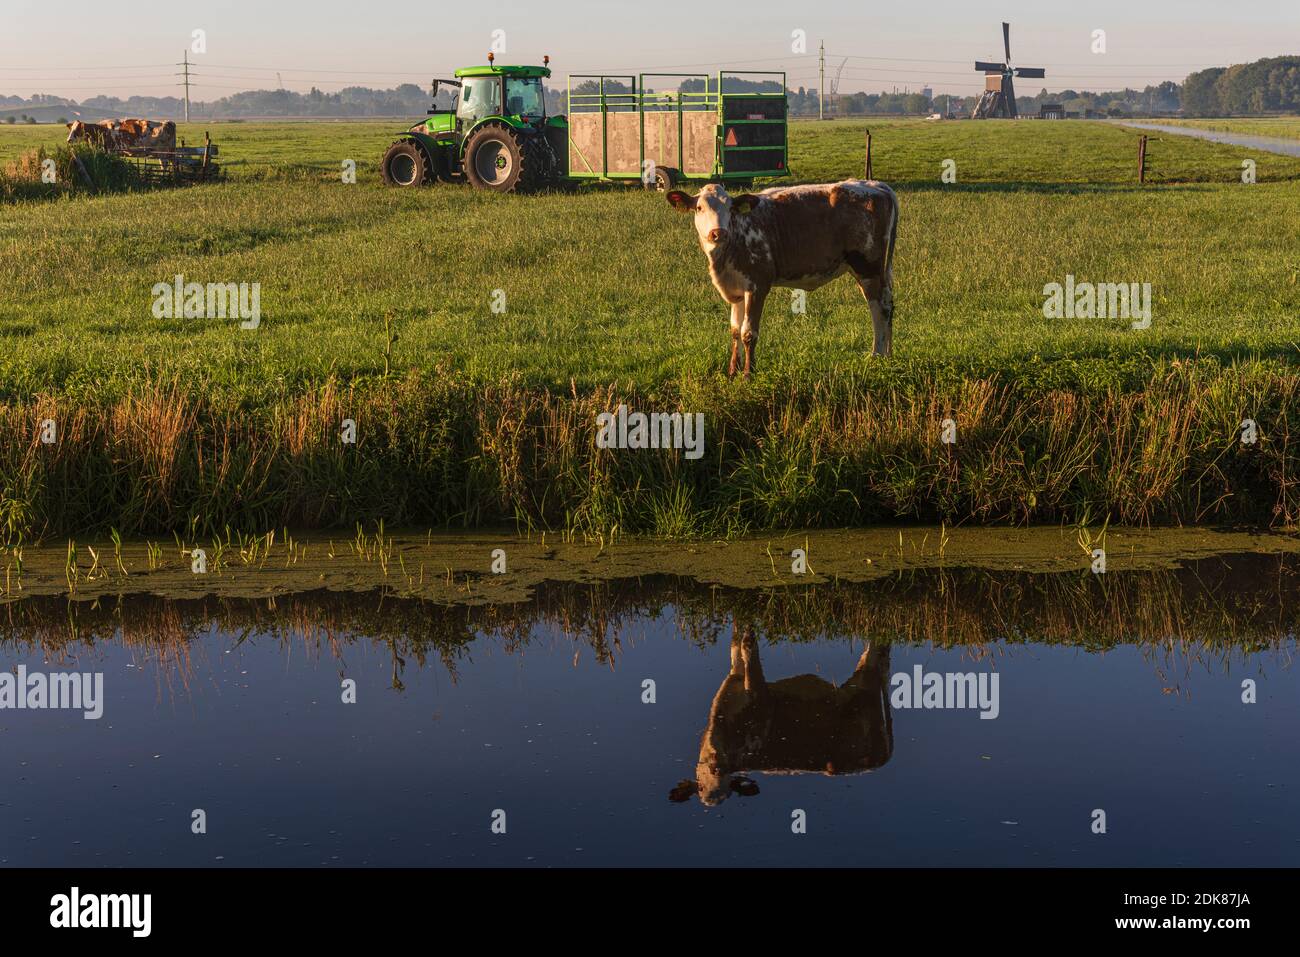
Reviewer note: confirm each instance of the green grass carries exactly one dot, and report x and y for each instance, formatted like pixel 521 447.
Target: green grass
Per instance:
pixel 606 286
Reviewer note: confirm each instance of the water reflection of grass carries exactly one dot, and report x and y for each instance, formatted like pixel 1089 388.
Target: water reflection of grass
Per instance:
pixel 1209 610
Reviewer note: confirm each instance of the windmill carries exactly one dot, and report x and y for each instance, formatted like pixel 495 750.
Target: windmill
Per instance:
pixel 999 97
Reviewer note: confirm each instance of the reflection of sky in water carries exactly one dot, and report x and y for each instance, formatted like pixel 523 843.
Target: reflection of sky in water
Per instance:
pixel 288 775
pixel 1272 144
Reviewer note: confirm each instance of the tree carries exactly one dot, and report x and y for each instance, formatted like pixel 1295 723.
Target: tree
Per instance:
pixel 1200 95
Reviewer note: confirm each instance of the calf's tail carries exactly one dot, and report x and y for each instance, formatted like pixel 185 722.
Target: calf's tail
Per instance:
pixel 893 235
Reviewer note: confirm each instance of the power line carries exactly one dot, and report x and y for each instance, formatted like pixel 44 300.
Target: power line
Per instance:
pixel 913 59
pixel 134 66
pixel 864 73
pixel 821 82
pixel 853 71
pixel 85 79
pixel 186 83
pixel 266 69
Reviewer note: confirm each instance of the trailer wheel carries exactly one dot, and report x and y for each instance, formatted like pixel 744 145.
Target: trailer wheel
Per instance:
pixel 495 160
pixel 405 164
pixel 665 179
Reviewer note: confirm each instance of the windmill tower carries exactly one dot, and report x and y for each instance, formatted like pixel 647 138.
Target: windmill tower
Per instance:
pixel 999 97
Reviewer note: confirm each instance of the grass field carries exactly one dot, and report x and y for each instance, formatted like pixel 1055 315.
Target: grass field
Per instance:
pixel 607 284
pixel 605 287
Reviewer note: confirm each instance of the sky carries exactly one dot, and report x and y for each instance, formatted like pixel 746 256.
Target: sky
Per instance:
pixel 79 48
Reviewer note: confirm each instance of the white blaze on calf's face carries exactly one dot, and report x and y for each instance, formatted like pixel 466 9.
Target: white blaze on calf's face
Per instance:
pixel 712 216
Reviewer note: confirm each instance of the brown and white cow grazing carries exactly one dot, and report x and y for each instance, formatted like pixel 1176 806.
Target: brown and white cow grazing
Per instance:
pixel 125 134
pixel 800 237
pixel 97 134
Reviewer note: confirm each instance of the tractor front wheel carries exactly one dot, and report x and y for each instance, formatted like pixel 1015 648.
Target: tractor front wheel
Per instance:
pixel 495 160
pixel 405 164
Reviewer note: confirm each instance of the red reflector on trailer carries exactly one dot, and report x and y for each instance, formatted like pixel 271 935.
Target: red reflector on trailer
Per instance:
pixel 780 164
pixel 731 137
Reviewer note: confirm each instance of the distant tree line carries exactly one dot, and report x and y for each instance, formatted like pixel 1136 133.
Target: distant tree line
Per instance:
pixel 403 100
pixel 1265 86
pixel 406 99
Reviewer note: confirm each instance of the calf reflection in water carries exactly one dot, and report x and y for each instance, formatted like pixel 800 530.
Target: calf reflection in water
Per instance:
pixel 792 726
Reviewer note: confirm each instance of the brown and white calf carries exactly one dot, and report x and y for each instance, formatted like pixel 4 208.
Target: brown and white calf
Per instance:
pixel 799 725
pixel 800 237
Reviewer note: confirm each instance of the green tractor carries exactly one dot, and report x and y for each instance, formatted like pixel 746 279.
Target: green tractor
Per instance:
pixel 496 136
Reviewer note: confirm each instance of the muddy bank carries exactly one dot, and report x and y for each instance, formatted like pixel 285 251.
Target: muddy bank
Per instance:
pixel 488 569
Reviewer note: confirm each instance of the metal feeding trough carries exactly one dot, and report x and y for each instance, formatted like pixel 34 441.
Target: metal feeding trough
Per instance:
pixel 182 164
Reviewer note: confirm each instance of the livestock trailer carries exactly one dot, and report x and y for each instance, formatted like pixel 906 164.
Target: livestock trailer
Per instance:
pixel 620 128
pixel 497 134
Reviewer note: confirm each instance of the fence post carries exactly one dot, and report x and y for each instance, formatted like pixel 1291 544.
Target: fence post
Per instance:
pixel 868 154
pixel 1142 159
pixel 90 183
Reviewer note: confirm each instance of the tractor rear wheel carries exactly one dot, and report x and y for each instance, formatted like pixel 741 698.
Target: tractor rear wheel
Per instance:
pixel 496 160
pixel 406 164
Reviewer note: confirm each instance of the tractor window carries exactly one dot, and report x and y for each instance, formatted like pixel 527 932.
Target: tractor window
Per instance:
pixel 524 96
pixel 479 97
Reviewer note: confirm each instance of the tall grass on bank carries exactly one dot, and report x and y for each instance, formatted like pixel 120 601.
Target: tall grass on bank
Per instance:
pixel 437 449
pixel 23 178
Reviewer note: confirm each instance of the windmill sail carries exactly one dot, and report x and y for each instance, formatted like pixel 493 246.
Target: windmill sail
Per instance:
pixel 999 97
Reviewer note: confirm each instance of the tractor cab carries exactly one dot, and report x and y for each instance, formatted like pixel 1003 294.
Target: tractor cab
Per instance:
pixel 514 92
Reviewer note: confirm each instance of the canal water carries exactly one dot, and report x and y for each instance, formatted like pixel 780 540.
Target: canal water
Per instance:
pixel 1271 144
pixel 1142 718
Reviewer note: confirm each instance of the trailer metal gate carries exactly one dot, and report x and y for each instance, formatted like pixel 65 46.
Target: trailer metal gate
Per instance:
pixel 699 135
